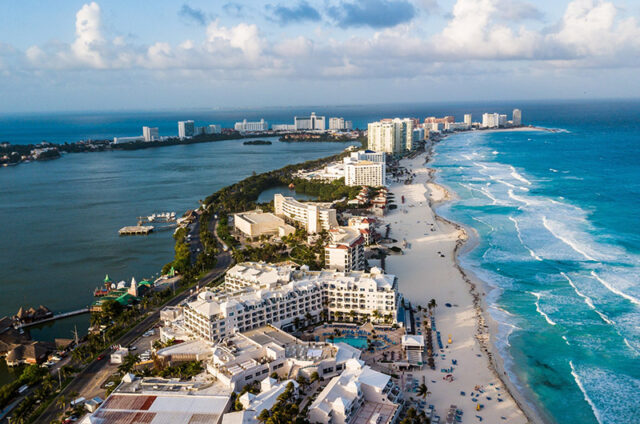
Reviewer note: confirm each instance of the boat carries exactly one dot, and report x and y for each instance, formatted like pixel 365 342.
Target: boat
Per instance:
pixel 162 217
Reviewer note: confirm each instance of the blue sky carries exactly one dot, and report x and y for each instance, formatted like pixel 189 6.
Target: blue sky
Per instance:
pixel 75 55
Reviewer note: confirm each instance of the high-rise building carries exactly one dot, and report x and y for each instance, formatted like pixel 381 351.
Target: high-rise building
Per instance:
pixel 150 134
pixel 312 122
pixel 467 119
pixel 313 216
pixel 393 136
pixel 245 126
pixel 339 124
pixel 345 251
pixel 502 120
pixel 364 173
pixel 490 120
pixel 185 129
pixel 434 120
pixel 517 117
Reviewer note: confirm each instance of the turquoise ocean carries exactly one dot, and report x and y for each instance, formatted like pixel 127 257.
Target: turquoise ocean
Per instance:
pixel 557 215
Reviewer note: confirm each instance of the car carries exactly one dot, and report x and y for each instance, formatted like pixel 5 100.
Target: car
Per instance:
pixel 110 384
pixel 133 348
pixel 100 357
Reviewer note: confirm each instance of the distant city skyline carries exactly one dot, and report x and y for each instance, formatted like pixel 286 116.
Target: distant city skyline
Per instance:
pixel 75 55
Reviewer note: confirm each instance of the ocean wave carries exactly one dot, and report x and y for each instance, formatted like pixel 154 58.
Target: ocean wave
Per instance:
pixel 636 351
pixel 540 311
pixel 556 229
pixel 531 252
pixel 576 378
pixel 587 300
pixel 518 176
pixel 614 290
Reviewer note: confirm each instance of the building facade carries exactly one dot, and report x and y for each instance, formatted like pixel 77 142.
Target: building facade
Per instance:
pixel 517 117
pixel 150 134
pixel 339 124
pixel 345 252
pixel 311 122
pixel 258 294
pixel 247 126
pixel 257 223
pixel 467 119
pixel 393 136
pixel 364 173
pixel 185 129
pixel 313 216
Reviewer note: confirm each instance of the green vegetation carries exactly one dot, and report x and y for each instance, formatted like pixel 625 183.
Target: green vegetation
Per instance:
pixel 326 192
pixel 256 142
pixel 413 417
pixel 286 410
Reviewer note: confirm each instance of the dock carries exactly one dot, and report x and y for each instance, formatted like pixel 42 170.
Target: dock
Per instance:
pixel 55 317
pixel 135 230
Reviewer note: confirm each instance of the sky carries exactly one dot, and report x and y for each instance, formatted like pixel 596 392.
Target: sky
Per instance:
pixel 69 55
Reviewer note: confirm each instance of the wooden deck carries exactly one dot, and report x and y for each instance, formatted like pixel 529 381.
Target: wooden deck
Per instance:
pixel 135 230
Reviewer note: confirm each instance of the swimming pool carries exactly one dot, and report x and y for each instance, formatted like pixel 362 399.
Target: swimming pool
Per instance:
pixel 358 342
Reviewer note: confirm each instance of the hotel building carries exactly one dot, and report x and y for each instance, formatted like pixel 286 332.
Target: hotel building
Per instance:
pixel 394 136
pixel 246 126
pixel 490 120
pixel 364 173
pixel 259 294
pixel 345 252
pixel 150 134
pixel 369 155
pixel 185 129
pixel 359 395
pixel 244 358
pixel 257 223
pixel 313 216
pixel 339 124
pixel 312 122
pixel 517 117
pixel 467 119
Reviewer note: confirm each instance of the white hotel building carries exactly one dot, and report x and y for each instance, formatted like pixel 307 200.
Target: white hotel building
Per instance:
pixel 339 124
pixel 246 126
pixel 312 122
pixel 393 136
pixel 345 251
pixel 359 395
pixel 364 173
pixel 313 216
pixel 260 294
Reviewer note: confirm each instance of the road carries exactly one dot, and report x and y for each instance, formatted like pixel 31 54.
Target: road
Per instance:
pixel 95 374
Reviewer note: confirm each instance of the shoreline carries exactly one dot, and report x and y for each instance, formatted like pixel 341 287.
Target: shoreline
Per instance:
pixel 486 324
pixel 447 281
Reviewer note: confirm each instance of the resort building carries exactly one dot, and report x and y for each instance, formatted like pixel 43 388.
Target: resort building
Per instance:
pixel 313 216
pixel 434 120
pixel 345 252
pixel 253 405
pixel 364 225
pixel 339 124
pixel 150 134
pixel 244 358
pixel 393 136
pixel 158 400
pixel 456 126
pixel 517 117
pixel 358 395
pixel 257 294
pixel 257 223
pixel 419 134
pixel 246 126
pixel 467 119
pixel 185 129
pixel 364 173
pixel 312 122
pixel 413 346
pixel 369 155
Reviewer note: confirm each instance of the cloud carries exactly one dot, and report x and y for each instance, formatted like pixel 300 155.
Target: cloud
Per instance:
pixel 234 9
pixel 515 11
pixel 591 33
pixel 372 13
pixel 89 38
pixel 300 12
pixel 191 14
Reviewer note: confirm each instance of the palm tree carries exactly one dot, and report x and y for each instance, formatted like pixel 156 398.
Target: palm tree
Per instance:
pixel 61 402
pixel 376 315
pixel 423 390
pixel 432 303
pixel 352 314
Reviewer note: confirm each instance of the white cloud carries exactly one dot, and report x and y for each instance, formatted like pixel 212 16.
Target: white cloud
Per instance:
pixel 482 32
pixel 89 39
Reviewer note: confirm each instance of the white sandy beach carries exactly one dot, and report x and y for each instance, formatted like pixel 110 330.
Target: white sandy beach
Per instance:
pixel 424 274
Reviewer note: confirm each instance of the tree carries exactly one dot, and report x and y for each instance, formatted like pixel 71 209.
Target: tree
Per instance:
pixel 353 315
pixel 315 376
pixel 264 415
pixel 423 391
pixel 432 303
pixel 111 309
pixel 377 315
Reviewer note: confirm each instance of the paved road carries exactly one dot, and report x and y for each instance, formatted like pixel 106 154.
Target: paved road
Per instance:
pixel 97 372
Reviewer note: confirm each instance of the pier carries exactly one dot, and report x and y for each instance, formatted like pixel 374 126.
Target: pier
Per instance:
pixel 135 230
pixel 55 317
